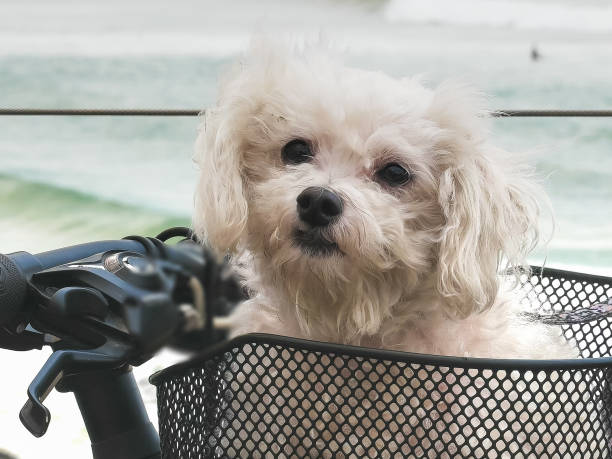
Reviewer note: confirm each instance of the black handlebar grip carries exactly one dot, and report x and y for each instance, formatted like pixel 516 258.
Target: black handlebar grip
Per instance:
pixel 13 288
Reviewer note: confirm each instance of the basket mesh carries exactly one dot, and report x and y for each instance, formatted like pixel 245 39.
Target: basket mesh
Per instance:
pixel 265 396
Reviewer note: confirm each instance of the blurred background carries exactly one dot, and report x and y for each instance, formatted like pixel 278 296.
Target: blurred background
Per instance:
pixel 65 180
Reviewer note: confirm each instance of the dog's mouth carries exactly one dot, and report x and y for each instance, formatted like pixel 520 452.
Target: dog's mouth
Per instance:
pixel 313 242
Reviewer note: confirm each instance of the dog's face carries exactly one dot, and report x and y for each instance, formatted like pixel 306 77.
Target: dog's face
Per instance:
pixel 338 180
pixel 354 187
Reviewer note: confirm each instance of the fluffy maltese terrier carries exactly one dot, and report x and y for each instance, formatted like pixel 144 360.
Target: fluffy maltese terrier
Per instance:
pixel 367 210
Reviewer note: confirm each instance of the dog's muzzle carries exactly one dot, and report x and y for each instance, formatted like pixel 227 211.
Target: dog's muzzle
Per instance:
pixel 317 208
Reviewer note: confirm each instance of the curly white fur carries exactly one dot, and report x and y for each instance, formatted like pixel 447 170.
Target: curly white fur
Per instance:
pixel 418 264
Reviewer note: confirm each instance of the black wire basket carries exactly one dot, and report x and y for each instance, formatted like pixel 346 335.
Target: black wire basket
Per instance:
pixel 269 396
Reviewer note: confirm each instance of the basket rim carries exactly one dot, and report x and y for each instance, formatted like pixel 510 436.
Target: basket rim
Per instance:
pixel 481 363
pixel 557 273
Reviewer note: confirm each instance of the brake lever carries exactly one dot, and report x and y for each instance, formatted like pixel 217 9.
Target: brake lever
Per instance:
pixel 150 324
pixel 34 415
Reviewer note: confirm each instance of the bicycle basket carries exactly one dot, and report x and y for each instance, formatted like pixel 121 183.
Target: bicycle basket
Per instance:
pixel 270 396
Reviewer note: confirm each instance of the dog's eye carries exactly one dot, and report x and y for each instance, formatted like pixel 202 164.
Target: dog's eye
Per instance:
pixel 393 174
pixel 296 152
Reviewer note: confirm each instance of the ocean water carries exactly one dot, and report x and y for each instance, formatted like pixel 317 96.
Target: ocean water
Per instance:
pixel 65 180
pixel 71 179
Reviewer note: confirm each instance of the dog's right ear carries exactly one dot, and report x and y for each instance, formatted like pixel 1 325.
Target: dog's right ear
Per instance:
pixel 220 206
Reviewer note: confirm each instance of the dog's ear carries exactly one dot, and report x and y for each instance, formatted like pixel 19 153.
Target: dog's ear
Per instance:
pixel 490 208
pixel 220 206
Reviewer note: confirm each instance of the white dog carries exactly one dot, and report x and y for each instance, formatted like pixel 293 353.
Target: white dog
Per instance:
pixel 366 210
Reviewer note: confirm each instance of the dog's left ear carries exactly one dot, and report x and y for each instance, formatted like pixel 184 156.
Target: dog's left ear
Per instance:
pixel 489 203
pixel 220 206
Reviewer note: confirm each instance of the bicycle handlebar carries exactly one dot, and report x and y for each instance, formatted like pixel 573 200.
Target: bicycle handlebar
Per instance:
pixel 17 268
pixel 107 304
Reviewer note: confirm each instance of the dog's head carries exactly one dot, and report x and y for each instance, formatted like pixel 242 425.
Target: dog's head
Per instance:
pixel 350 186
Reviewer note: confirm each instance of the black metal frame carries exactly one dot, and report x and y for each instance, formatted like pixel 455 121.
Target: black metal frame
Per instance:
pixel 210 420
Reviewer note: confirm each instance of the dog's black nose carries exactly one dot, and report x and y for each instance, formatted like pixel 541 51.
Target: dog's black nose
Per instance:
pixel 318 206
